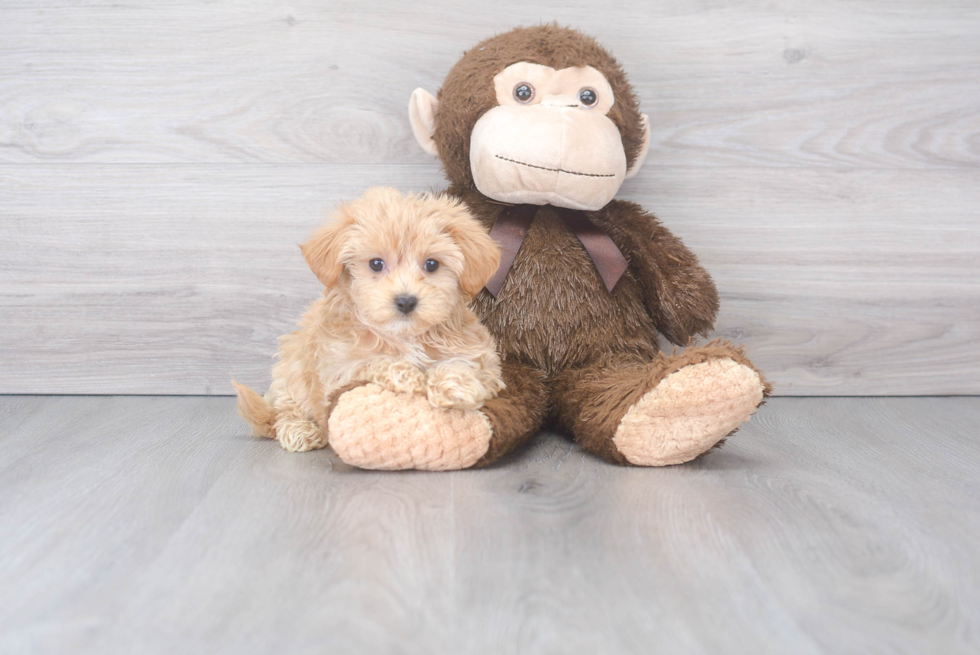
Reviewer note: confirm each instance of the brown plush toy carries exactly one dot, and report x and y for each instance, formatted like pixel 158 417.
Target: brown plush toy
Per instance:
pixel 537 128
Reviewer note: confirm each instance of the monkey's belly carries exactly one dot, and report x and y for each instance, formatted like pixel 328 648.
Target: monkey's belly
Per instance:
pixel 554 311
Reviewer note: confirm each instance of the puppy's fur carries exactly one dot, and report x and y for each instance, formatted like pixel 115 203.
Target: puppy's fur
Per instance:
pixel 355 332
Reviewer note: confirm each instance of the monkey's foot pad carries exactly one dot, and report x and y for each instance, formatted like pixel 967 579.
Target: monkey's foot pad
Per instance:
pixel 373 428
pixel 688 412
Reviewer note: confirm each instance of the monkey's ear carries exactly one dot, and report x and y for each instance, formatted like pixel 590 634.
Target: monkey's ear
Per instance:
pixel 422 108
pixel 323 250
pixel 634 169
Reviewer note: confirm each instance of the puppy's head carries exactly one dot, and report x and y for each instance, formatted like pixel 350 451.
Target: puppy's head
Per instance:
pixel 407 262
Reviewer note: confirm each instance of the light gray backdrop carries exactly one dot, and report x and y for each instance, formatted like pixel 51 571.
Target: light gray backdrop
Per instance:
pixel 159 162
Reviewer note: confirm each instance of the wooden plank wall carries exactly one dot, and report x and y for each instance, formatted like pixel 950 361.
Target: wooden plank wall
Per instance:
pixel 160 160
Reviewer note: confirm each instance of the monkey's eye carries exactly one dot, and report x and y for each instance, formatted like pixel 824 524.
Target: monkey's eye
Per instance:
pixel 431 265
pixel 377 264
pixel 523 93
pixel 588 96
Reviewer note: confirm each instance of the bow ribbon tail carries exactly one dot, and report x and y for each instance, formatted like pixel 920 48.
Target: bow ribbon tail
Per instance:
pixel 606 255
pixel 509 232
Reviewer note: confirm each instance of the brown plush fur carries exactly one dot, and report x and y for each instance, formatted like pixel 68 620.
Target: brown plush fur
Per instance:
pixel 517 413
pixel 663 289
pixel 590 401
pixel 574 352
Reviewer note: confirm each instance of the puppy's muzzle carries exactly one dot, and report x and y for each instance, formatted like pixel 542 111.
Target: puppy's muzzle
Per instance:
pixel 406 304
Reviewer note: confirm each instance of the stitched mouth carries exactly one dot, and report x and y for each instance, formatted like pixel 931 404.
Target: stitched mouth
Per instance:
pixel 554 170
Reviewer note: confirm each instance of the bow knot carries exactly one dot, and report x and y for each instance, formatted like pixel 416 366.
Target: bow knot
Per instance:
pixel 512 226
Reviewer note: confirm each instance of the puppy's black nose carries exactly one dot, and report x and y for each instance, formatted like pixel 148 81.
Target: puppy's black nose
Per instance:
pixel 406 304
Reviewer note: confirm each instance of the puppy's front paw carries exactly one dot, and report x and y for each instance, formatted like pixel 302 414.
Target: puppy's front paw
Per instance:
pixel 299 435
pixel 456 386
pixel 396 375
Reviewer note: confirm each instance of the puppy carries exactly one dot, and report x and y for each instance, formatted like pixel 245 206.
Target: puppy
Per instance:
pixel 400 272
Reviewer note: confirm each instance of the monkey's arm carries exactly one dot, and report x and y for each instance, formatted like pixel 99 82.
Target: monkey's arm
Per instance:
pixel 677 291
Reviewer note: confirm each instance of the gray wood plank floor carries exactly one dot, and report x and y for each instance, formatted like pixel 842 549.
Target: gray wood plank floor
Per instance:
pixel 155 525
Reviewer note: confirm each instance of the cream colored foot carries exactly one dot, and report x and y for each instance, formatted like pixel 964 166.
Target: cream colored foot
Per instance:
pixel 688 412
pixel 373 428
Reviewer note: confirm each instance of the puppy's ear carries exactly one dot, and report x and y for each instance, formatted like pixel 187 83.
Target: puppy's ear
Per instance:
pixel 323 250
pixel 481 256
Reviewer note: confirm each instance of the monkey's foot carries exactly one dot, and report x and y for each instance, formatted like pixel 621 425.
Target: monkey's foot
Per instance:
pixel 373 428
pixel 688 412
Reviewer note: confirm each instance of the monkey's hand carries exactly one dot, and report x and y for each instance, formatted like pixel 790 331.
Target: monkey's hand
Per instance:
pixel 395 375
pixel 677 292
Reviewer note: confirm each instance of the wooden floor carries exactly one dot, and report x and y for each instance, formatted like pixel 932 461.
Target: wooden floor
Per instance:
pixel 155 525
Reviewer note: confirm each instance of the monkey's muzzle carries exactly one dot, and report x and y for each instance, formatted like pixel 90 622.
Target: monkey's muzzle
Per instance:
pixel 564 156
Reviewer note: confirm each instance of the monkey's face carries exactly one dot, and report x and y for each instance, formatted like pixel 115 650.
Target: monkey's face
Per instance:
pixel 565 131
pixel 549 139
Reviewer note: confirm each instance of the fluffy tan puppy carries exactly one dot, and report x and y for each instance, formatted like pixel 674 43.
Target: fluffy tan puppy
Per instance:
pixel 400 272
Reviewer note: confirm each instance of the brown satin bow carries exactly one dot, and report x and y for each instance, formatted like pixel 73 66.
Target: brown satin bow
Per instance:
pixel 512 226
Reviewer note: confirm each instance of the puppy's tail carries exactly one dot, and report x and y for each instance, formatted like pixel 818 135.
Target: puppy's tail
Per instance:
pixel 256 411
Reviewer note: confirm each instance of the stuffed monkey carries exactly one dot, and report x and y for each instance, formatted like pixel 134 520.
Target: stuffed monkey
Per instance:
pixel 537 129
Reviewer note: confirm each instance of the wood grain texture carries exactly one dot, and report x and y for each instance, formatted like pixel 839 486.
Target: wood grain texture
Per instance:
pixel 159 162
pixel 160 279
pixel 155 525
pixel 786 83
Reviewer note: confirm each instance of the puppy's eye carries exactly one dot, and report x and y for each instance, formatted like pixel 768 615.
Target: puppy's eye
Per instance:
pixel 588 96
pixel 431 265
pixel 377 264
pixel 523 93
